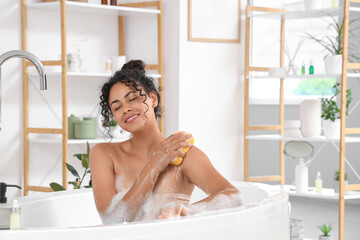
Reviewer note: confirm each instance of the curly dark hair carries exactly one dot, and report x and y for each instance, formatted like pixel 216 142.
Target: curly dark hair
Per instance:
pixel 132 74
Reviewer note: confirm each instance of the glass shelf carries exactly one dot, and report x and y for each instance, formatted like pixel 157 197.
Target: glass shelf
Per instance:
pixel 327 193
pixel 54 140
pixel 89 8
pixel 315 13
pixel 33 73
pixel 276 137
pixel 313 76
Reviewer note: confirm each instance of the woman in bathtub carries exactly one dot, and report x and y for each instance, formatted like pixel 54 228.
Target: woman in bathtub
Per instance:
pixel 133 180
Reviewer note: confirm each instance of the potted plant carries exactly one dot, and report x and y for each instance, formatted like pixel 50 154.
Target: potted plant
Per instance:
pixel 330 113
pixel 333 44
pixel 84 158
pixel 325 230
pixel 336 185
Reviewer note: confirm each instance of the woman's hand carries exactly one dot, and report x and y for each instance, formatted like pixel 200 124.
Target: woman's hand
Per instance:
pixel 170 148
pixel 172 210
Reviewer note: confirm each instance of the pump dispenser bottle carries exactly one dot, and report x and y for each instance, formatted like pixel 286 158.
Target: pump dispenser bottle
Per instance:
pixel 301 177
pixel 318 183
pixel 15 216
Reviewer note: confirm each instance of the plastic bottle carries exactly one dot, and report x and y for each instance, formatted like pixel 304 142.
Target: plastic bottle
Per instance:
pixel 311 68
pixel 15 216
pixel 303 68
pixel 335 3
pixel 301 177
pixel 318 183
pixel 71 126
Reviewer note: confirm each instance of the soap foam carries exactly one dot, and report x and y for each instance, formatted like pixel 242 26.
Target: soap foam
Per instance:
pixel 220 201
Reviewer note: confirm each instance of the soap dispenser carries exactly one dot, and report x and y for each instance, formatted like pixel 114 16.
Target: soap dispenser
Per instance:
pixel 301 177
pixel 3 187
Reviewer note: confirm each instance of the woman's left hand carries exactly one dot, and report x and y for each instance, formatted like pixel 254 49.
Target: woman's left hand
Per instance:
pixel 174 210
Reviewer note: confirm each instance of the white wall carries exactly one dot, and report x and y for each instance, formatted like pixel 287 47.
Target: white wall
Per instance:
pixel 206 103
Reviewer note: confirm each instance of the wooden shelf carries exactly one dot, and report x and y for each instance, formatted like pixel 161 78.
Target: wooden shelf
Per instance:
pixel 276 137
pixel 75 141
pixel 349 75
pixel 315 13
pixel 33 73
pixel 89 8
pixel 327 193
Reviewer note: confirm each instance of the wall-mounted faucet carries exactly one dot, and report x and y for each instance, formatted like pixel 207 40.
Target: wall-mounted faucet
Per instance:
pixel 29 56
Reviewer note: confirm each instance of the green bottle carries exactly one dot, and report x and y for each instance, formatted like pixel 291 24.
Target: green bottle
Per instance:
pixel 303 68
pixel 311 68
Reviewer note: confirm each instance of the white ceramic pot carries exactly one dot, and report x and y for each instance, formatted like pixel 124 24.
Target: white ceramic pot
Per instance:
pixel 310 117
pixel 313 4
pixel 333 64
pixel 336 185
pixel 75 64
pixel 331 129
pixel 322 237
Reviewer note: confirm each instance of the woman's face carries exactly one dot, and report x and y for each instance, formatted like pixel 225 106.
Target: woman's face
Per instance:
pixel 129 109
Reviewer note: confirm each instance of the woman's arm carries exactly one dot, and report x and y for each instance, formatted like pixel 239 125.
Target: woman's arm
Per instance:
pixel 120 207
pixel 199 171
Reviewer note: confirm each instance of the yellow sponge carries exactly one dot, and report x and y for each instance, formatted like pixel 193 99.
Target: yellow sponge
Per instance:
pixel 178 160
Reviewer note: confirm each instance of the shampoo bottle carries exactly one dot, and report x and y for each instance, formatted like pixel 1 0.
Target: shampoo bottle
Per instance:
pixel 15 216
pixel 301 177
pixel 311 68
pixel 318 183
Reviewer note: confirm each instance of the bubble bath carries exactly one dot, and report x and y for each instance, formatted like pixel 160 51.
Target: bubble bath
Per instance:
pixel 72 214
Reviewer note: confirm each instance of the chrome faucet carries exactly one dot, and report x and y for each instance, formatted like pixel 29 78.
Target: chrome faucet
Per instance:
pixel 29 56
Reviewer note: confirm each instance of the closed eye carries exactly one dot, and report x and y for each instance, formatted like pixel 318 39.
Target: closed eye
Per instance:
pixel 118 108
pixel 132 99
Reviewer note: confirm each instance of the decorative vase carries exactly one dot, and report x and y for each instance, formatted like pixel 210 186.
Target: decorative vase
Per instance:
pixel 333 64
pixel 310 117
pixel 331 129
pixel 71 126
pixel 336 185
pixel 322 237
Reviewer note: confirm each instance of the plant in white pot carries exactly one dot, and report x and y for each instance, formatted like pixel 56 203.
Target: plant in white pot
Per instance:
pixel 336 178
pixel 325 230
pixel 330 113
pixel 332 41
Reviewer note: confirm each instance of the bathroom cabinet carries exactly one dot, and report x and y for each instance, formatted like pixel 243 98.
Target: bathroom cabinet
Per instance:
pixel 61 8
pixel 347 134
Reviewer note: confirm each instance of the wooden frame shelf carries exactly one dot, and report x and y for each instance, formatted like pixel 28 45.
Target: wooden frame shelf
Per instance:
pixel 95 8
pixel 253 12
pixel 62 7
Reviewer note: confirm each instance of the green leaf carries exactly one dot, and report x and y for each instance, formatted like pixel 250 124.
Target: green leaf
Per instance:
pixel 87 148
pixel 88 171
pixel 78 156
pixel 56 187
pixel 72 170
pixel 85 160
pixel 87 186
pixel 74 184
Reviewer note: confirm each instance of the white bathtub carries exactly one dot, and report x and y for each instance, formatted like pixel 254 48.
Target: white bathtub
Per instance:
pixel 72 215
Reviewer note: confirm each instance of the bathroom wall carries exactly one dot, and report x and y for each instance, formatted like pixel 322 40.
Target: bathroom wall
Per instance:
pixel 196 99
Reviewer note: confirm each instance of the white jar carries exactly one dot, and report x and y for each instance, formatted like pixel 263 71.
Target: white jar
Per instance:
pixel 310 117
pixel 301 177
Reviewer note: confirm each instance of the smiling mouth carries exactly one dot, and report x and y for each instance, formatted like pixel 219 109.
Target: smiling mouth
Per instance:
pixel 132 118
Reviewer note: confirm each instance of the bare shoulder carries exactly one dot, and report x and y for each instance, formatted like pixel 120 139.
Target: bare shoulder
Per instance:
pixel 195 156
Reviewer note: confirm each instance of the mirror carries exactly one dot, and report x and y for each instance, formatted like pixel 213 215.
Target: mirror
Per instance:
pixel 299 149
